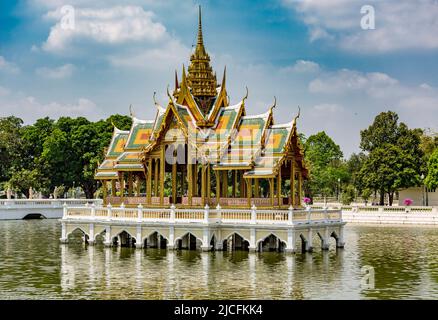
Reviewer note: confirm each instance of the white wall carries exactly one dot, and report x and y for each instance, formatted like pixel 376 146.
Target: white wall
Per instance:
pixel 416 194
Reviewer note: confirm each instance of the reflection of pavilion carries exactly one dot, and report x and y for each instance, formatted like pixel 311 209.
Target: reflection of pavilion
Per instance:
pixel 201 150
pixel 158 274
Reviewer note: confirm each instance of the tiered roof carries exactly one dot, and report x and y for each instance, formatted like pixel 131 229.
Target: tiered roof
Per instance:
pixel 223 135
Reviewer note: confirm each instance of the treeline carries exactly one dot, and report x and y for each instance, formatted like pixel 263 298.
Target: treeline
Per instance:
pixel 48 154
pixel 392 157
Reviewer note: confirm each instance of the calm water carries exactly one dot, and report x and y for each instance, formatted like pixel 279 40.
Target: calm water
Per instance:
pixel 33 265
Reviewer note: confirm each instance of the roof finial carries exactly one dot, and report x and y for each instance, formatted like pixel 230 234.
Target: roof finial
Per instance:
pixel 275 103
pixel 130 111
pixel 155 100
pixel 176 80
pixel 224 77
pixel 169 95
pixel 200 39
pixel 246 96
pixel 298 115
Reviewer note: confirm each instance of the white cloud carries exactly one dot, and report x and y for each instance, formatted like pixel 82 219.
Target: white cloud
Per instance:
pixel 303 66
pixel 345 81
pixel 325 108
pixel 400 24
pixel 62 72
pixel 111 26
pixel 8 67
pixel 165 57
pixel 30 108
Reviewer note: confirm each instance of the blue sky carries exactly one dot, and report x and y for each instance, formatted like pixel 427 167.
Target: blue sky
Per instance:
pixel 305 52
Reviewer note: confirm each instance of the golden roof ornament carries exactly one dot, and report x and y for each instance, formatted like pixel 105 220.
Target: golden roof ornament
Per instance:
pixel 200 77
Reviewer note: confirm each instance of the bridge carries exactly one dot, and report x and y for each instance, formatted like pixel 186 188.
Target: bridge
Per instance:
pixel 205 229
pixel 39 208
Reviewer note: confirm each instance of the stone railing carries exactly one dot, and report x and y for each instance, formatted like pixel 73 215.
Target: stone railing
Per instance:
pixel 206 215
pixel 382 209
pixel 47 203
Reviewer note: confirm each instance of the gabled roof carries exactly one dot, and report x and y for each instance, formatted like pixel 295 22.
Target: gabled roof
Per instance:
pixel 117 143
pixel 140 134
pixel 247 142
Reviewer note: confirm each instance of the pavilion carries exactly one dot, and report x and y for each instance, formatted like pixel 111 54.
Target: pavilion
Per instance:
pixel 201 150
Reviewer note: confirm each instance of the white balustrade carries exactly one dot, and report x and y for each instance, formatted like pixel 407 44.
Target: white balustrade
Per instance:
pixel 206 215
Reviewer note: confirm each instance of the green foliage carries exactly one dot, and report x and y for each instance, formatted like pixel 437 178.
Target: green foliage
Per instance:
pixel 366 194
pixel 348 195
pixel 395 157
pixel 324 158
pixel 24 179
pixel 48 154
pixel 432 176
pixel 10 146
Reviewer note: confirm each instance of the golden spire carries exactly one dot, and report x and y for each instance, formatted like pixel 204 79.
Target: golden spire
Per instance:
pixel 200 40
pixel 200 77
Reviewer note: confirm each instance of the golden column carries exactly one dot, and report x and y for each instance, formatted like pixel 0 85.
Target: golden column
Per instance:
pixel 300 187
pixel 208 183
pixel 113 188
pixel 256 188
pixel 130 184
pixel 190 182
pixel 156 171
pixel 242 185
pixel 122 184
pixel 174 182
pixel 271 190
pixel 249 191
pixel 218 186
pixel 195 180
pixel 292 182
pixel 137 185
pixel 225 183
pixel 279 187
pixel 234 179
pixel 162 174
pixel 105 191
pixel 149 183
pixel 203 184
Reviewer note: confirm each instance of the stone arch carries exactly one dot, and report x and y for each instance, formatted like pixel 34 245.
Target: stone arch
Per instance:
pixel 229 234
pixel 237 240
pixel 99 231
pixel 304 242
pixel 155 239
pixel 34 216
pixel 188 240
pixel 123 238
pixel 75 228
pixel 271 242
pixel 333 234
pixel 85 235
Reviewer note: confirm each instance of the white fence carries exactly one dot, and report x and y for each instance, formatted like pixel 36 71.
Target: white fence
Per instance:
pixel 389 215
pixel 49 208
pixel 206 215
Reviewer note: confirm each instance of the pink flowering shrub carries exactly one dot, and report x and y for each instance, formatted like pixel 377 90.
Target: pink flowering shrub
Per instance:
pixel 407 202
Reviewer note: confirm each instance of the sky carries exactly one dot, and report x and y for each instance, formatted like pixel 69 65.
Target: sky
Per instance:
pixel 326 56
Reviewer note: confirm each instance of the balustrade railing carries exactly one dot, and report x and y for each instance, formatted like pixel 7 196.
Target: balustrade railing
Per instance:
pixel 206 215
pixel 47 203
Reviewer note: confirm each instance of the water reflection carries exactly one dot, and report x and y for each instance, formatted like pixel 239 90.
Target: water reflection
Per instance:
pixel 34 265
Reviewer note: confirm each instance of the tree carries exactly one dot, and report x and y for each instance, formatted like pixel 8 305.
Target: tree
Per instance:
pixel 324 158
pixel 394 156
pixel 73 150
pixel 431 180
pixel 10 146
pixel 21 181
